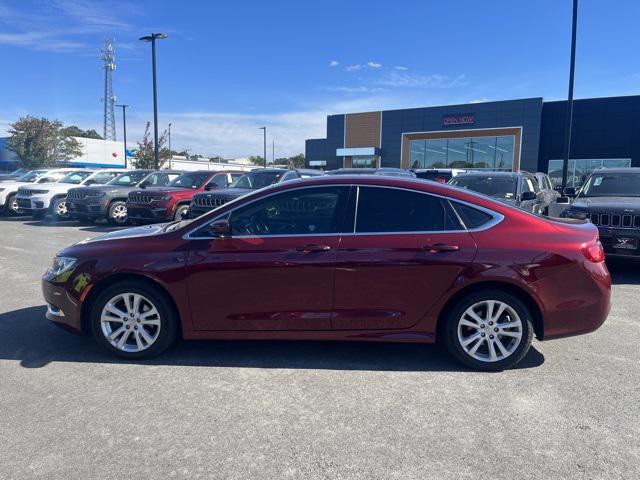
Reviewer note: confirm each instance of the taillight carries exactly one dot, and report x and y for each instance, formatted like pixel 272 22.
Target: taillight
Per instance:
pixel 594 252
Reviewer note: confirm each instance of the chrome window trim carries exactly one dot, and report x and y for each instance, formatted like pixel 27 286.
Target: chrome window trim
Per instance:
pixel 497 217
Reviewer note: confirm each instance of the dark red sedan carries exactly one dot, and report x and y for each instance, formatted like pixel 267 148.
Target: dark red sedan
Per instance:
pixel 385 259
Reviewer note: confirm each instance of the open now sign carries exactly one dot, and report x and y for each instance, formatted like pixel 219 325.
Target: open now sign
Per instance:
pixel 459 119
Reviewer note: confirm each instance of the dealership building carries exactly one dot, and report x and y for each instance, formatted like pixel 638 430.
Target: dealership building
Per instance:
pixel 525 134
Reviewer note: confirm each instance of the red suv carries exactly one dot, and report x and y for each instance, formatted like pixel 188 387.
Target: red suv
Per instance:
pixel 363 258
pixel 172 202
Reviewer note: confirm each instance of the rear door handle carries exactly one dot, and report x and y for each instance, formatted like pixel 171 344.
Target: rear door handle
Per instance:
pixel 312 247
pixel 441 247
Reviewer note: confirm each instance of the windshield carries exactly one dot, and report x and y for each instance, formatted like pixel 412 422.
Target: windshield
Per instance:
pixel 128 179
pixel 612 185
pixel 496 187
pixel 101 178
pixel 30 176
pixel 18 172
pixel 256 180
pixel 75 177
pixel 190 180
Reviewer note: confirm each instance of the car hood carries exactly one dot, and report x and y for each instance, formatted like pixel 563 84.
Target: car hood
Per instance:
pixel 628 204
pixel 7 185
pixel 51 186
pixel 105 188
pixel 141 231
pixel 228 192
pixel 160 190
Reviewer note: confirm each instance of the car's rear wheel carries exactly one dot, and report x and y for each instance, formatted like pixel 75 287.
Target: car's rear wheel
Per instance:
pixel 117 213
pixel 12 205
pixel 180 211
pixel 59 209
pixel 489 330
pixel 133 320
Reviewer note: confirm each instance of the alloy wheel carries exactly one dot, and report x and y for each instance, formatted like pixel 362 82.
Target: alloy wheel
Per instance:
pixel 61 209
pixel 15 209
pixel 490 331
pixel 119 213
pixel 130 322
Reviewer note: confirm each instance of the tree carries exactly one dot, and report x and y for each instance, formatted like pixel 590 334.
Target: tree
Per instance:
pixel 144 157
pixel 73 131
pixel 293 162
pixel 257 160
pixel 40 142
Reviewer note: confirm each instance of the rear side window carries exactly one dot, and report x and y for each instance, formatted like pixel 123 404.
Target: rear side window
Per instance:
pixel 471 217
pixel 393 210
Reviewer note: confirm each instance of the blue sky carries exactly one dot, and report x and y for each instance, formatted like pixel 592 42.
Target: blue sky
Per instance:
pixel 229 67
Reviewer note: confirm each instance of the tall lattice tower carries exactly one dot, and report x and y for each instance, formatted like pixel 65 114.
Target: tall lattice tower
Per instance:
pixel 109 65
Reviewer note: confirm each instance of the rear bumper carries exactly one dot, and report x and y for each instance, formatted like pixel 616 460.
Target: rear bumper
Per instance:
pixel 578 300
pixel 62 308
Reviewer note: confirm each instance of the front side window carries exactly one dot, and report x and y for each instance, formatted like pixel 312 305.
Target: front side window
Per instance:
pixel 128 179
pixel 308 211
pixel 101 178
pixel 219 181
pixel 190 180
pixel 256 180
pixel 528 185
pixel 383 210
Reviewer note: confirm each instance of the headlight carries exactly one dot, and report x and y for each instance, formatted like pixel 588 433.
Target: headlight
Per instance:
pixel 61 265
pixel 164 198
pixel 577 214
pixel 97 194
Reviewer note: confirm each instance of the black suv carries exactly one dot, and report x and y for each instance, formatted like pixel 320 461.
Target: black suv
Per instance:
pixel 254 180
pixel 109 200
pixel 519 189
pixel 610 199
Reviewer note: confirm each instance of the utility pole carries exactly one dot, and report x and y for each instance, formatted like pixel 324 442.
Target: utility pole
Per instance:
pixel 273 151
pixel 567 134
pixel 170 152
pixel 124 130
pixel 152 38
pixel 264 129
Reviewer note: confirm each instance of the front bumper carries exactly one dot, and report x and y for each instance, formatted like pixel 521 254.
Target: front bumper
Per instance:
pixel 148 213
pixel 33 203
pixel 195 211
pixel 91 208
pixel 620 242
pixel 62 308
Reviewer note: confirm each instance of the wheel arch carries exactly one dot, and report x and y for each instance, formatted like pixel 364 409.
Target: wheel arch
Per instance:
pixel 521 293
pixel 104 283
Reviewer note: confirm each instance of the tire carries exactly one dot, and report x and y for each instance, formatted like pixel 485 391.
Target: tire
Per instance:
pixel 179 211
pixel 133 340
pixel 59 209
pixel 12 205
pixel 117 213
pixel 472 342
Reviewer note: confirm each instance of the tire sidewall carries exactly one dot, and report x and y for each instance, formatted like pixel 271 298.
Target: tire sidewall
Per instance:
pixel 451 330
pixel 180 208
pixel 9 205
pixel 112 207
pixel 54 209
pixel 168 318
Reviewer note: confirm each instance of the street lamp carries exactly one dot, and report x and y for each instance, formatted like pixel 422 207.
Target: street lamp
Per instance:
pixel 264 129
pixel 569 119
pixel 170 152
pixel 124 129
pixel 152 38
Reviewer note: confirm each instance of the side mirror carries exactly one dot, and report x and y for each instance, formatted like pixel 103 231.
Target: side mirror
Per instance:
pixel 570 192
pixel 526 196
pixel 143 185
pixel 89 182
pixel 220 229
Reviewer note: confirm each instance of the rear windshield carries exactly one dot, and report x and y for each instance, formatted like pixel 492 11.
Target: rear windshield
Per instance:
pixel 255 180
pixel 612 185
pixel 190 180
pixel 496 187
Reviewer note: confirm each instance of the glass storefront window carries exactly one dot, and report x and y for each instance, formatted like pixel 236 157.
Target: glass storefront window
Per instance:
pixel 579 169
pixel 493 152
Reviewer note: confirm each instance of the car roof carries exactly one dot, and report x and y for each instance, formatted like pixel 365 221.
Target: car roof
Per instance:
pixel 618 170
pixel 477 173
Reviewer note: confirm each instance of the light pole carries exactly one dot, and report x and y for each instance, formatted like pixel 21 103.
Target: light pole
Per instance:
pixel 572 67
pixel 170 152
pixel 124 130
pixel 264 129
pixel 152 38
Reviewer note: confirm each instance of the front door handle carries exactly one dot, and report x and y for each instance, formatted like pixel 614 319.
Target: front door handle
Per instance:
pixel 312 247
pixel 441 247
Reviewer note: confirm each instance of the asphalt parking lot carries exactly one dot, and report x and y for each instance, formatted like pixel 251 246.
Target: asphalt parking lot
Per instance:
pixel 312 410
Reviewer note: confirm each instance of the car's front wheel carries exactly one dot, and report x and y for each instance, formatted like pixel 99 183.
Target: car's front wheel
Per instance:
pixel 118 213
pixel 181 212
pixel 489 330
pixel 12 205
pixel 59 209
pixel 133 320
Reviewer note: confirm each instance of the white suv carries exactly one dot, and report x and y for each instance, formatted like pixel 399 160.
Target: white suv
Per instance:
pixel 9 188
pixel 51 197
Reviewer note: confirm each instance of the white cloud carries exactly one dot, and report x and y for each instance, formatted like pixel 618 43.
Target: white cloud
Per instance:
pixel 374 65
pixel 401 68
pixel 360 89
pixel 353 68
pixel 403 79
pixel 334 63
pixel 479 100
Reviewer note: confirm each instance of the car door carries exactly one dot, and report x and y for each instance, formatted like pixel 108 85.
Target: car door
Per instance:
pixel 407 250
pixel 275 270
